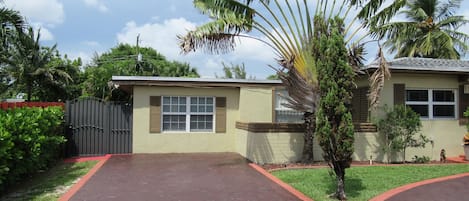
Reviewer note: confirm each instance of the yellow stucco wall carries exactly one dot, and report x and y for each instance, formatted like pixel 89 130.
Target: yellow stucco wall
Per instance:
pixel 270 147
pixel 446 133
pixel 146 142
pixel 255 104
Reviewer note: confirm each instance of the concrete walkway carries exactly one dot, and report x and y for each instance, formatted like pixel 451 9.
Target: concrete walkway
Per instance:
pixel 167 177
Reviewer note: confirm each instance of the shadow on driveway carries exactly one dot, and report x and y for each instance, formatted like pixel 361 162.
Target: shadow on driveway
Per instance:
pixel 191 177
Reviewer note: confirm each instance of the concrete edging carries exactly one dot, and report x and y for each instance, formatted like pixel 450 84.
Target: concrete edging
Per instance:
pixel 284 185
pixel 395 191
pixel 102 159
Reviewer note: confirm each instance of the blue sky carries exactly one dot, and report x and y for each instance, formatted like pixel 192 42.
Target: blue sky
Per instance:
pixel 82 28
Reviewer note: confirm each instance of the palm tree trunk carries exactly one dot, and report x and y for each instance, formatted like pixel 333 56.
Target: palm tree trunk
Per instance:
pixel 310 126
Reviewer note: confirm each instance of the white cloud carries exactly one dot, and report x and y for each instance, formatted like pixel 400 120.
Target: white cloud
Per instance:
pixel 162 37
pixel 48 12
pixel 46 35
pixel 251 49
pixel 96 4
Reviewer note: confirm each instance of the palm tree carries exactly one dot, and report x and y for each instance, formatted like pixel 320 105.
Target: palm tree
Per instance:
pixel 431 31
pixel 27 64
pixel 295 35
pixel 12 23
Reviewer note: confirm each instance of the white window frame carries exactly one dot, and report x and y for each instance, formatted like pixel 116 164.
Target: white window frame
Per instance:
pixel 430 103
pixel 188 114
pixel 280 99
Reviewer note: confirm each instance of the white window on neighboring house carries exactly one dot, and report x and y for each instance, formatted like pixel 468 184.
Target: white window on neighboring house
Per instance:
pixel 284 114
pixel 432 103
pixel 188 114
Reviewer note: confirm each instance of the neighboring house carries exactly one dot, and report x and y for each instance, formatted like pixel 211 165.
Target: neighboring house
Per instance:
pixel 437 89
pixel 179 115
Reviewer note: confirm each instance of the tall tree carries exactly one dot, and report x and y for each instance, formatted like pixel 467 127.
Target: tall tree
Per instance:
pixel 61 88
pixel 12 24
pixel 290 29
pixel 431 31
pixel 124 60
pixel 334 120
pixel 27 64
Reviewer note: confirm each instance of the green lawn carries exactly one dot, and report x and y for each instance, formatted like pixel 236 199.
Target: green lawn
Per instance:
pixel 363 183
pixel 49 185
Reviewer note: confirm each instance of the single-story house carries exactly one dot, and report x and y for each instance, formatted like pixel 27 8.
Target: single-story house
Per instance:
pixel 178 115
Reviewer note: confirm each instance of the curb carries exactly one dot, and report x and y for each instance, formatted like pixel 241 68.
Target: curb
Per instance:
pixel 102 160
pixel 392 192
pixel 284 185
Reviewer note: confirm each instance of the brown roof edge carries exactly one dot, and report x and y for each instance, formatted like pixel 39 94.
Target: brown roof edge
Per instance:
pixel 261 127
pixel 266 127
pixel 190 82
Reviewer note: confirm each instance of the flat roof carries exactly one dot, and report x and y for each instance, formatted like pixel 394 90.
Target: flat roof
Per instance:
pixel 425 64
pixel 129 81
pixel 189 79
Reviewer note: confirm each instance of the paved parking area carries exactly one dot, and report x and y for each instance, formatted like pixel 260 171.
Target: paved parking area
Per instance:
pixel 449 190
pixel 180 177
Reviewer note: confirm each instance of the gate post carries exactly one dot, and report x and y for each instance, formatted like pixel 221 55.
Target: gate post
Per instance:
pixel 107 127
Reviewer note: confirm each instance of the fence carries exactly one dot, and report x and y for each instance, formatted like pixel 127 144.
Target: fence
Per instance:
pixel 97 127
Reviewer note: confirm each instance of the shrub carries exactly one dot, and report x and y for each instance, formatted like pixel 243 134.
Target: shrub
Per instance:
pixel 421 159
pixel 30 140
pixel 399 127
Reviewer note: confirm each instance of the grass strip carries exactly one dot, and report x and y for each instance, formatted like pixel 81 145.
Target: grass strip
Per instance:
pixel 364 183
pixel 51 184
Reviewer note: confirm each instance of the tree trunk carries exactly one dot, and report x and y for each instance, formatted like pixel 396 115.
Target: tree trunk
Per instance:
pixel 29 89
pixel 308 135
pixel 341 187
pixel 339 169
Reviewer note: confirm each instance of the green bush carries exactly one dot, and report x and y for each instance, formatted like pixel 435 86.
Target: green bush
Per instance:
pixel 30 140
pixel 401 129
pixel 421 159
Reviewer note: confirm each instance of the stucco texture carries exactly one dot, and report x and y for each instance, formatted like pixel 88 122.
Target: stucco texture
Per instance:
pixel 445 133
pixel 172 142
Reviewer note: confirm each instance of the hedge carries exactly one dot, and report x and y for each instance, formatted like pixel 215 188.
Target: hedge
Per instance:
pixel 30 140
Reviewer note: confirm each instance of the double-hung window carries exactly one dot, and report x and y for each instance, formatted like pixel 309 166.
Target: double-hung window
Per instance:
pixel 284 114
pixel 188 114
pixel 432 103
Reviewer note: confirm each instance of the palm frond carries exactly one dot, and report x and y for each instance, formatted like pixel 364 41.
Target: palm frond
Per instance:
pixel 377 79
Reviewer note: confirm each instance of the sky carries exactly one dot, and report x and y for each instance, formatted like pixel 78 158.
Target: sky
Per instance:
pixel 83 28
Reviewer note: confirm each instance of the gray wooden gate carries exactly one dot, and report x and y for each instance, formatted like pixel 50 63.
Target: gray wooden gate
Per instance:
pixel 97 127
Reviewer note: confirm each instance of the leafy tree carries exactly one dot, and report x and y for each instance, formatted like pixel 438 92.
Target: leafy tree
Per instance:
pixel 12 24
pixel 334 120
pixel 291 30
pixel 124 60
pixel 399 127
pixel 431 31
pixel 61 89
pixel 236 71
pixel 27 64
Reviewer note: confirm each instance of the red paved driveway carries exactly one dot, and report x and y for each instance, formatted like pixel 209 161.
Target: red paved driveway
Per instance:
pixel 168 177
pixel 449 190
